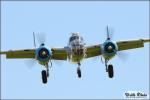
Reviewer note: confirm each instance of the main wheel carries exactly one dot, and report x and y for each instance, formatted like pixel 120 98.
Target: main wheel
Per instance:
pixel 79 72
pixel 110 71
pixel 44 76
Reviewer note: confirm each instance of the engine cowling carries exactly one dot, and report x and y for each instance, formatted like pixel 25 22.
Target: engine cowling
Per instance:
pixel 109 49
pixel 43 55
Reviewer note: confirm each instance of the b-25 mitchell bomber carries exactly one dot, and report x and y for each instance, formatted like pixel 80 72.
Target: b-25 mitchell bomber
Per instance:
pixel 75 51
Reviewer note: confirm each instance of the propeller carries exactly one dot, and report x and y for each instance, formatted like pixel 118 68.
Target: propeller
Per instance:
pixel 58 62
pixel 122 55
pixel 34 40
pixel 110 32
pixel 30 62
pixel 41 38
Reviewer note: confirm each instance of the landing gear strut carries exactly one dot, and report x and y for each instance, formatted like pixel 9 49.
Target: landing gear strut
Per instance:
pixel 109 69
pixel 79 70
pixel 45 74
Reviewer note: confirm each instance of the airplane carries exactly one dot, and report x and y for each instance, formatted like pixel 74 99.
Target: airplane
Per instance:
pixel 75 52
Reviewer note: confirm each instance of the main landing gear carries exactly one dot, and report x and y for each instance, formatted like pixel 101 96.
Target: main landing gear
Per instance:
pixel 79 70
pixel 109 69
pixel 45 74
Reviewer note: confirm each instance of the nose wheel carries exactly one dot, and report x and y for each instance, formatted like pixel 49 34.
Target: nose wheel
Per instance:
pixel 79 70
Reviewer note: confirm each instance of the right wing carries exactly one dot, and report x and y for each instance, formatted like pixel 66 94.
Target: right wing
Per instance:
pixel 26 53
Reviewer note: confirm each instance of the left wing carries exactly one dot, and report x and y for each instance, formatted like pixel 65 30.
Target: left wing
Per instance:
pixel 57 53
pixel 131 44
pixel 93 50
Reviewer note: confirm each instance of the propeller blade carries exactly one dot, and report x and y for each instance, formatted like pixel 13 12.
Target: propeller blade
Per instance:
pixel 34 40
pixel 58 62
pixel 95 59
pixel 123 55
pixel 30 62
pixel 110 32
pixel 41 38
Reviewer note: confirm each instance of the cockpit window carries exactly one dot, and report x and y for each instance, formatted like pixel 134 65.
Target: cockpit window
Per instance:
pixel 81 38
pixel 73 38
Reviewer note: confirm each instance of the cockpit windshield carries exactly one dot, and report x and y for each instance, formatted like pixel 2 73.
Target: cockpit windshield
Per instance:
pixel 73 38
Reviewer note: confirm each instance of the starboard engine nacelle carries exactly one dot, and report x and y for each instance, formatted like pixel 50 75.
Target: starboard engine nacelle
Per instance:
pixel 109 49
pixel 43 55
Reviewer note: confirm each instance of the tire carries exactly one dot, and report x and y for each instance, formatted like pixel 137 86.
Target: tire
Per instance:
pixel 79 73
pixel 44 76
pixel 110 71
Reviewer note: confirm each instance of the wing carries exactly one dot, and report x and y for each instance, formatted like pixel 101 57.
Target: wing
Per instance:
pixel 26 53
pixel 93 50
pixel 59 53
pixel 131 44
